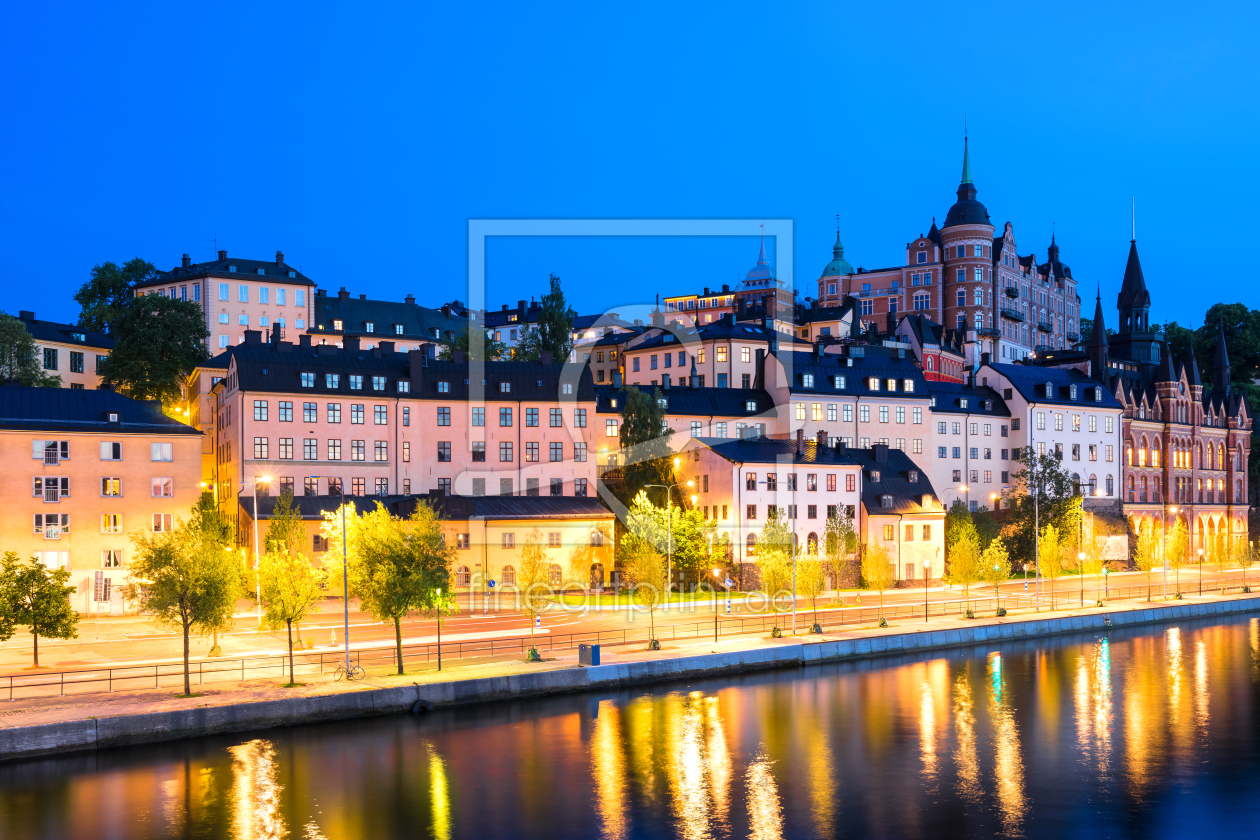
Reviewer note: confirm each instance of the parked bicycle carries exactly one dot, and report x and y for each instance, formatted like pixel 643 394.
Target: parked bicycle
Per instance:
pixel 355 672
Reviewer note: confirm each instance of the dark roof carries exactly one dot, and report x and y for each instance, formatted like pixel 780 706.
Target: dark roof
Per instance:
pixel 64 333
pixel 616 338
pixel 314 507
pixel 354 313
pixel 512 507
pixel 982 400
pixel 272 270
pixel 698 401
pixel 261 367
pixel 81 410
pixel 1133 291
pixel 876 362
pixel 776 450
pixel 221 361
pixel 524 316
pixel 1060 270
pixel 1031 380
pixel 926 330
pixel 582 322
pixel 895 468
pixel 717 330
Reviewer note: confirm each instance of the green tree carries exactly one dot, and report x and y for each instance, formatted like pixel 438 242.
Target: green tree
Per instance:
pixel 839 542
pixel 290 589
pixel 216 529
pixel 34 596
pixel 1146 555
pixel 995 566
pixel 644 568
pixel 109 290
pixel 1051 550
pixel 811 581
pixel 1056 502
pixel 286 536
pixel 1094 548
pixel 1246 559
pixel 1224 554
pixel 399 565
pixel 987 528
pixel 19 357
pixel 491 350
pixel 185 578
pixel 555 323
pixel 696 544
pixel 159 342
pixel 1178 550
pixel 532 581
pixel 644 441
pixel 333 563
pixel 878 573
pixel 774 560
pixel 962 554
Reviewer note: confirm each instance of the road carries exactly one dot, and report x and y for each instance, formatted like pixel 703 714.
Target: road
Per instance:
pixel 134 639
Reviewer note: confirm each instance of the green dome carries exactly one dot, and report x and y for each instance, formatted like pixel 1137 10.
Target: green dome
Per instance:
pixel 838 265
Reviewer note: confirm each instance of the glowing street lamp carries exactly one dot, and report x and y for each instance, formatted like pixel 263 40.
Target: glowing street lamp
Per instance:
pixel 265 479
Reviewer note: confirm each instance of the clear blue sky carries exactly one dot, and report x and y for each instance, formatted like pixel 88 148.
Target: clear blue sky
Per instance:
pixel 359 139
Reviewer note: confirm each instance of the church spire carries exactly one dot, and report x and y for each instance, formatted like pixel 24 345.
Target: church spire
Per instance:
pixel 1098 349
pixel 966 173
pixel 1220 367
pixel 1134 301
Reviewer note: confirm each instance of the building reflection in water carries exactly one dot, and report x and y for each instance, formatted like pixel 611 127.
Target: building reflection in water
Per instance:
pixel 1008 763
pixel 439 796
pixel 765 813
pixel 608 766
pixel 965 756
pixel 255 792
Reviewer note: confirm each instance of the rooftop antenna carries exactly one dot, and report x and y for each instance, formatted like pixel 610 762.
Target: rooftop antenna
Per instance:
pixel 214 243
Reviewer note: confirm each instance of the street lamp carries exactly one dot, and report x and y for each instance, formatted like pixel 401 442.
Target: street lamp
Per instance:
pixel 345 574
pixel 927 575
pixel 717 573
pixel 1164 540
pixel 1080 573
pixel 669 514
pixel 963 488
pixel 265 479
pixel 1200 573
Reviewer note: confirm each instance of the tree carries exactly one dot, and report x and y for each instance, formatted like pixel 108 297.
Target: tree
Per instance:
pixel 491 350
pixel 644 441
pixel 878 573
pixel 695 541
pixel 109 291
pixel 644 568
pixel 774 560
pixel 333 563
pixel 286 537
pixel 216 529
pixel 995 565
pixel 1224 554
pixel 290 589
pixel 34 596
pixel 528 347
pixel 1246 558
pixel 159 342
pixel 1050 554
pixel 399 565
pixel 1146 555
pixel 811 581
pixel 532 573
pixel 1054 503
pixel 19 357
pixel 1094 548
pixel 987 528
pixel 555 323
pixel 962 554
pixel 186 578
pixel 1178 550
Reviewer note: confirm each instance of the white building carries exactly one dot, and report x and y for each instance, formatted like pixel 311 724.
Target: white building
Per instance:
pixel 969 456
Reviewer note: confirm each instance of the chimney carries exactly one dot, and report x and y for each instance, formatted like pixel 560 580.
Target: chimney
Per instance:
pixel 984 358
pixel 417 360
pixel 187 261
pixel 304 341
pixel 411 299
pixel 362 297
pixel 26 315
pixel 350 343
pixel 818 348
pixel 881 452
pixel 457 356
pixel 726 287
pixel 520 305
pixel 343 294
pixel 840 447
pixel 546 357
pixel 800 441
pixel 253 337
pixel 279 257
pixel 822 438
pixel 386 346
pixel 222 256
pixel 616 379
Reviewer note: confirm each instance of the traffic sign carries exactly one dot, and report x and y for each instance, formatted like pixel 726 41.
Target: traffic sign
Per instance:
pixel 492 584
pixel 728 582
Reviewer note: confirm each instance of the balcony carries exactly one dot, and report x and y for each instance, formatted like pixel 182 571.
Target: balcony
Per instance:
pixel 1012 292
pixel 1041 348
pixel 1012 313
pixel 1045 326
pixel 989 331
pixel 1073 335
pixel 895 290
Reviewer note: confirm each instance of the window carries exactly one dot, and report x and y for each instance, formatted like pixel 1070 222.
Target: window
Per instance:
pixel 161 522
pixel 750 513
pixel 334 450
pixel 505 387
pixel 356 414
pixel 358 450
pixel 556 451
pixel 111 523
pixel 332 380
pixel 260 409
pixel 610 428
pixel 505 451
pixel 358 486
pixel 531 451
pixel 308 379
pixel 382 486
pixel 334 412
pixel 380 415
pixel 579 452
pixel 505 416
pixel 381 450
pixel 721 354
pixel 356 382
pixel 579 487
pixel 223 291
pixel 310 450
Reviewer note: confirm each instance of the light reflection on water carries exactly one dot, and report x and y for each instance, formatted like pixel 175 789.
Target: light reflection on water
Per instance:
pixel 1119 734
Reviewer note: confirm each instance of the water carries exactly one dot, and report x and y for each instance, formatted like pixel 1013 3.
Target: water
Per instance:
pixel 1143 733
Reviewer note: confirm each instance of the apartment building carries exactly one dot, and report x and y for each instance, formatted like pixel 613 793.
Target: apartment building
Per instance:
pixel 68 351
pixel 408 325
pixel 385 423
pixel 237 294
pixel 1062 412
pixel 969 450
pixel 97 467
pixel 702 308
pixel 724 354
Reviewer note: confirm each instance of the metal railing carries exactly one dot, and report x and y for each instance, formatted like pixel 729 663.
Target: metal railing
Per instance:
pixel 307 664
pixel 1012 313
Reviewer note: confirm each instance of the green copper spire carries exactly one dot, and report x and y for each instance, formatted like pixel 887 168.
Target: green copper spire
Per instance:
pixel 966 176
pixel 838 249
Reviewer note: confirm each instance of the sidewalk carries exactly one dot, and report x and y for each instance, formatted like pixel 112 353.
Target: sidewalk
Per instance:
pixel 34 712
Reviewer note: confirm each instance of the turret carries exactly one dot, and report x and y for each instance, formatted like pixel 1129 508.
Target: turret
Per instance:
pixel 1220 366
pixel 1098 348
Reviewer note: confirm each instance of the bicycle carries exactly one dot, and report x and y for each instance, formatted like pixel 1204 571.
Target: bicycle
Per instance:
pixel 355 672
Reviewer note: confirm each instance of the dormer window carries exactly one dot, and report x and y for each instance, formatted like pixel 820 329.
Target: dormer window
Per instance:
pixel 369 326
pixel 1098 395
pixel 913 477
pixel 444 387
pixel 232 269
pixel 872 383
pixel 337 324
pixel 663 402
pixel 292 273
pixel 885 501
pixel 1072 390
pixel 807 380
pixel 907 385
pixel 78 336
pixel 875 476
pixel 1049 390
pixel 962 403
pixel 750 405
pixel 505 387
pixel 262 271
pixel 512 318
pixel 398 329
pixel 837 382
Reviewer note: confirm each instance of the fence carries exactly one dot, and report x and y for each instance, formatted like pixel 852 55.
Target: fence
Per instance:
pixel 307 664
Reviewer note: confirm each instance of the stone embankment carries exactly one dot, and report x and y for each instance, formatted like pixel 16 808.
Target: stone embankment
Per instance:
pixel 238 711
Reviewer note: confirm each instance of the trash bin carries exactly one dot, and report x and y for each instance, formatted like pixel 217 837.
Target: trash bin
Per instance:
pixel 588 654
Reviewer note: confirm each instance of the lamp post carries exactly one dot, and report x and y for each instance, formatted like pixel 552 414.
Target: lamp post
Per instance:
pixel 439 627
pixel 669 515
pixel 717 573
pixel 1080 573
pixel 965 490
pixel 1164 540
pixel 927 575
pixel 345 574
pixel 1200 573
pixel 265 479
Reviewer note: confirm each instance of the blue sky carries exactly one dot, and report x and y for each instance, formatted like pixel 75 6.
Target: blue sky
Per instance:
pixel 360 140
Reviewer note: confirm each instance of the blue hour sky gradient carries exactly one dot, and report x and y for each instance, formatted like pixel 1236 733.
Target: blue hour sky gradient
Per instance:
pixel 360 138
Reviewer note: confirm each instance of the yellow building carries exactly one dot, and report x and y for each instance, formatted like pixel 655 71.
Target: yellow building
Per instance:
pixel 68 351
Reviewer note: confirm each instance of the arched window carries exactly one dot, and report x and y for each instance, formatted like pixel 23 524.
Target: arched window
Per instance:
pixel 1093 484
pixel 462 577
pixel 752 544
pixel 1111 486
pixel 1238 491
pixel 1128 453
pixel 553 574
pixel 1131 498
pixel 1155 447
pixel 509 576
pixel 1141 455
pixel 811 543
pixel 931 363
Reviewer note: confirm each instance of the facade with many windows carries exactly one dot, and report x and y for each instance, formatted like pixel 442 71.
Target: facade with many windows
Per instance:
pixel 68 351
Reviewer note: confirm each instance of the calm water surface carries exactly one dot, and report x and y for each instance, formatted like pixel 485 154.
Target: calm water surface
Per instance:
pixel 1142 733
